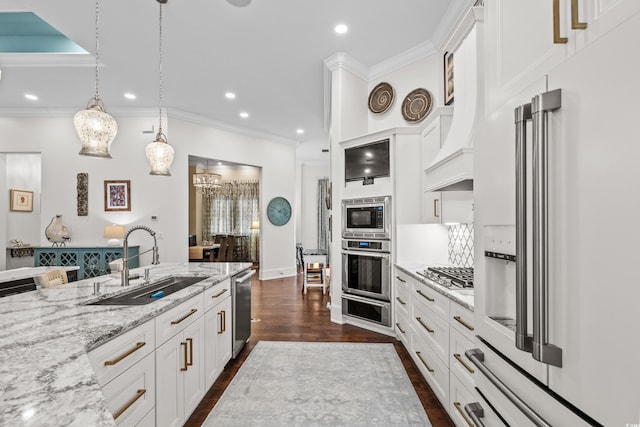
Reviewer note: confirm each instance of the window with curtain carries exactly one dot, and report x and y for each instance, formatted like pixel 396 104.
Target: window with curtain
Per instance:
pixel 229 210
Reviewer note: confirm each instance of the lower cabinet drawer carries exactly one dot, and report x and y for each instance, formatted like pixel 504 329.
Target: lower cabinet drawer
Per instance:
pixel 432 368
pixel 116 356
pixel 148 420
pixel 459 364
pixel 433 329
pixel 169 323
pixel 403 329
pixel 459 397
pixel 131 395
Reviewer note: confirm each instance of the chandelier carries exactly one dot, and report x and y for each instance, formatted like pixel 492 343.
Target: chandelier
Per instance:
pixel 207 182
pixel 159 152
pixel 95 128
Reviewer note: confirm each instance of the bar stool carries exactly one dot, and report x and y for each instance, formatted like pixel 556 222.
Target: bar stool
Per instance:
pixel 314 264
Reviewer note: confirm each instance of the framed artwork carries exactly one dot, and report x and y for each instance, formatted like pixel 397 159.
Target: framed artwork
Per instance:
pixel 448 78
pixel 21 200
pixel 117 195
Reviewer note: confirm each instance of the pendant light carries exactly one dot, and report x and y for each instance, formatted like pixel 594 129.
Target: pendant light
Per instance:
pixel 159 152
pixel 95 128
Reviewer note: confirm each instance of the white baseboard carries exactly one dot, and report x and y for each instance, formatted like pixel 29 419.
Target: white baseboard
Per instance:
pixel 278 273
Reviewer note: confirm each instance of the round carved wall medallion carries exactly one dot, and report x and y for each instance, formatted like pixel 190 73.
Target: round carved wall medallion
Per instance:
pixel 416 105
pixel 381 98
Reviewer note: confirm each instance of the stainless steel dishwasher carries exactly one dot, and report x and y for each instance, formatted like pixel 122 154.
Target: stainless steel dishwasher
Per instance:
pixel 241 301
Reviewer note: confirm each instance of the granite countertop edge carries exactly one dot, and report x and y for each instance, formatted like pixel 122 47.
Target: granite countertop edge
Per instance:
pixel 45 371
pixel 453 294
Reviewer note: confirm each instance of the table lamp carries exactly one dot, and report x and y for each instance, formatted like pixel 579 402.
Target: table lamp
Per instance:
pixel 114 233
pixel 255 225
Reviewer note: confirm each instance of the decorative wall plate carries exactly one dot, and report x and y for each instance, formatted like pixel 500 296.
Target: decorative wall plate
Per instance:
pixel 416 105
pixel 381 98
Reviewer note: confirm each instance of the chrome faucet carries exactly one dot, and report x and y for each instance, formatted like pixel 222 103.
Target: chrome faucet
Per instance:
pixel 124 274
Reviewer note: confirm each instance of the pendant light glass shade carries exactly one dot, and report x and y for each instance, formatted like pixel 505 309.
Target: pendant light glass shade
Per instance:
pixel 160 155
pixel 95 128
pixel 159 152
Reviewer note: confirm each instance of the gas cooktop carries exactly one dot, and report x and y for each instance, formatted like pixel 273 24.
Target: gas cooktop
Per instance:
pixel 460 277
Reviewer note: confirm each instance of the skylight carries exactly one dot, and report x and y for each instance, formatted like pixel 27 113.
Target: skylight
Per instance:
pixel 25 32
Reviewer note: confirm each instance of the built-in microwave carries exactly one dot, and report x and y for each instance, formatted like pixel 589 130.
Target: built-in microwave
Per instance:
pixel 368 217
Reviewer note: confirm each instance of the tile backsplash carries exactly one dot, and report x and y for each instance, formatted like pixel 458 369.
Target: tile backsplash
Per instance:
pixel 460 248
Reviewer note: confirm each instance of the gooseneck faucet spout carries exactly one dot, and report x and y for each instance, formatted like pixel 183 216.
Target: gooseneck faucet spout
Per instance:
pixel 124 274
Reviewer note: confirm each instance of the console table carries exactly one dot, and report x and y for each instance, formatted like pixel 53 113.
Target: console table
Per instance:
pixel 92 260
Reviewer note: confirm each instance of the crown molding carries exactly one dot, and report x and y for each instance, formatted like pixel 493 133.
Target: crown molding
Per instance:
pixel 345 61
pixel 459 23
pixel 24 60
pixel 409 56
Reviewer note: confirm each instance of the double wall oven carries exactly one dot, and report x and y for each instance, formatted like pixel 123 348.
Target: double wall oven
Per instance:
pixel 366 260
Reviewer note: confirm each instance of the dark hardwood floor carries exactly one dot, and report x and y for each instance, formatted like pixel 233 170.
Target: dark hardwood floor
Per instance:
pixel 282 313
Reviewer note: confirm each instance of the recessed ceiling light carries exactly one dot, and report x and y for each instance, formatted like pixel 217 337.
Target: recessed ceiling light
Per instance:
pixel 230 95
pixel 341 29
pixel 244 115
pixel 219 163
pixel 30 97
pixel 367 170
pixel 299 131
pixel 129 95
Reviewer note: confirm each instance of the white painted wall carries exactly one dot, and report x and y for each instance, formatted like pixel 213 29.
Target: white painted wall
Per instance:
pixel 165 197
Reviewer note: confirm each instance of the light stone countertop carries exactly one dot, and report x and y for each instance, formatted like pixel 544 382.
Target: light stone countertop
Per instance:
pixel 46 378
pixel 464 297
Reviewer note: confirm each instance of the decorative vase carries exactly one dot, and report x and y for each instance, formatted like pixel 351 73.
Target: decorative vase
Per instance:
pixel 56 232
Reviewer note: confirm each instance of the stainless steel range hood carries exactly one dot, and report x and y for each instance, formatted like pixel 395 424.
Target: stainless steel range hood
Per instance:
pixel 452 167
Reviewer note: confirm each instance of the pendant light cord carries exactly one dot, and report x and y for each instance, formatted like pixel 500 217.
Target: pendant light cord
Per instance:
pixel 160 72
pixel 97 47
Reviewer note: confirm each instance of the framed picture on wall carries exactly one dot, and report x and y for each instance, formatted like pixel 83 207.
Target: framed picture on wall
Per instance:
pixel 117 195
pixel 21 200
pixel 448 78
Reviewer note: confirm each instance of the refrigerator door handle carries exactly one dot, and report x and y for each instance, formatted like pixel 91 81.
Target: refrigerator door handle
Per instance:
pixel 477 358
pixel 475 412
pixel 541 105
pixel 522 116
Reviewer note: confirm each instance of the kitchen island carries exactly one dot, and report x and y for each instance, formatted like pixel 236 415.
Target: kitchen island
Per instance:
pixel 45 371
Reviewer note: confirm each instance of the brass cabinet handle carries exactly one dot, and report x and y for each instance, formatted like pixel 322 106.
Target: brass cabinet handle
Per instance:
pixel 190 341
pixel 428 298
pixel 459 409
pixel 556 24
pixel 419 319
pixel 224 321
pixel 175 322
pixel 461 360
pixel 400 329
pixel 435 208
pixel 126 406
pixel 219 293
pixel 575 20
pixel 400 301
pixel 401 279
pixel 137 347
pixel 465 324
pixel 184 367
pixel 423 362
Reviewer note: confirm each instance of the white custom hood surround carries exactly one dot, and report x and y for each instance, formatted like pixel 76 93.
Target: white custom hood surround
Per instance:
pixel 452 167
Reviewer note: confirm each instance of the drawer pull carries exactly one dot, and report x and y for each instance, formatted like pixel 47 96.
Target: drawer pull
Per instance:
pixel 127 405
pixel 575 20
pixel 190 341
pixel 465 324
pixel 224 321
pixel 458 406
pixel 461 360
pixel 557 39
pixel 219 293
pixel 137 347
pixel 428 298
pixel 175 322
pixel 423 362
pixel 400 301
pixel 419 319
pixel 401 279
pixel 185 366
pixel 400 329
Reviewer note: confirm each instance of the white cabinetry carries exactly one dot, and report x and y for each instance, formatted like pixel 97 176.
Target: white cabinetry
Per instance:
pixel 180 381
pixel 437 334
pixel 125 369
pixel 217 329
pixel 520 38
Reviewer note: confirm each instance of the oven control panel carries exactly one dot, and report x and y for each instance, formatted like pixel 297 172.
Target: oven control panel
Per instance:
pixel 367 245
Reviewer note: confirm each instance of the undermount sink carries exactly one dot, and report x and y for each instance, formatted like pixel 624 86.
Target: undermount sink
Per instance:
pixel 143 295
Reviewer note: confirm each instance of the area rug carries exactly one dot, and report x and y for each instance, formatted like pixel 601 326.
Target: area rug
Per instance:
pixel 319 384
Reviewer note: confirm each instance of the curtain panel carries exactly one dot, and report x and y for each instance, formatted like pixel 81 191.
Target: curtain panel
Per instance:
pixel 323 215
pixel 229 210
